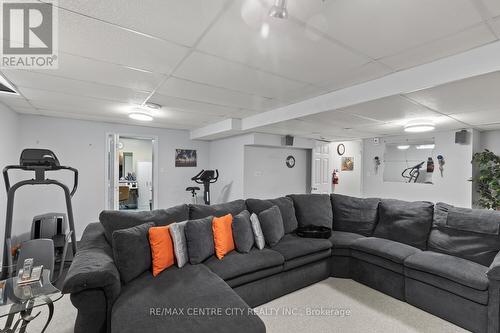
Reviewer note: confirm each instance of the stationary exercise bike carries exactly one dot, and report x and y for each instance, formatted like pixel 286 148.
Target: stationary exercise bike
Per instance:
pixel 412 173
pixel 205 177
pixel 40 161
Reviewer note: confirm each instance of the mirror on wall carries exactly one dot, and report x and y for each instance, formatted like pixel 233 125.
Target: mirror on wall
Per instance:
pixel 409 161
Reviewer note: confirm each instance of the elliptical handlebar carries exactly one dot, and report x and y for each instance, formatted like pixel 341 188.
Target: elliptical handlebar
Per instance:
pixel 34 168
pixel 213 180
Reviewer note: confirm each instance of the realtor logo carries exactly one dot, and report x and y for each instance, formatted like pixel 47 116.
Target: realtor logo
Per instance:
pixel 29 34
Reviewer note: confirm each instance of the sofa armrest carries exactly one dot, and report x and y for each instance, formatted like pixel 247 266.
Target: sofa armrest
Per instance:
pixel 494 269
pixel 93 266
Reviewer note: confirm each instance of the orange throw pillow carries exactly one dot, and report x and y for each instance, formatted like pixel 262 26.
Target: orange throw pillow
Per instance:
pixel 162 249
pixel 223 235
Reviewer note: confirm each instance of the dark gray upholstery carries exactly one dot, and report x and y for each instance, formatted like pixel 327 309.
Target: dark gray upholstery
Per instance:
pixel 181 288
pixel 271 223
pixel 342 241
pixel 384 248
pixel 115 220
pixel 494 269
pixel 471 234
pixel 199 239
pixel 285 205
pixel 93 268
pixel 313 209
pixel 355 215
pixel 131 251
pixel 254 276
pixel 292 246
pixel 460 270
pixel 449 306
pixel 93 311
pixel 242 232
pixel 309 258
pixel 201 211
pixel 405 222
pixel 231 266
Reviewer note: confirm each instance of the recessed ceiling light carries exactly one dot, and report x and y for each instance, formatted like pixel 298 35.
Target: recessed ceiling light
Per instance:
pixel 403 147
pixel 279 10
pixel 153 106
pixel 140 116
pixel 264 30
pixel 428 146
pixel 419 126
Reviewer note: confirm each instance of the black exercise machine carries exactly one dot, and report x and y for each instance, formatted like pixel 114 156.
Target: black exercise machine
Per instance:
pixel 39 161
pixel 205 177
pixel 412 173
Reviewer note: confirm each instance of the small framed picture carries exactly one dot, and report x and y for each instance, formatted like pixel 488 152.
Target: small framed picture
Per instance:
pixel 347 164
pixel 185 158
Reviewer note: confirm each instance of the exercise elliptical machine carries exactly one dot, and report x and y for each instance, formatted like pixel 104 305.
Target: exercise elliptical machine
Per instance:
pixel 205 177
pixel 40 161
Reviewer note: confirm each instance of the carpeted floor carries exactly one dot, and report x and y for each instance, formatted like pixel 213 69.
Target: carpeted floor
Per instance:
pixel 333 305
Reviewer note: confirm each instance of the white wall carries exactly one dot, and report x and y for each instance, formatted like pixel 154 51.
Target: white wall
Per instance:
pixel 349 181
pixel 81 144
pixel 266 173
pixel 9 154
pixel 491 140
pixel 453 188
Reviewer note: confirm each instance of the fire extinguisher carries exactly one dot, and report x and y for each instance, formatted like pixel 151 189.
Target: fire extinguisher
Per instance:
pixel 335 177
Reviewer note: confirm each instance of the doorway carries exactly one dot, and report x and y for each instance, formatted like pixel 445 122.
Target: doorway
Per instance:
pixel 131 172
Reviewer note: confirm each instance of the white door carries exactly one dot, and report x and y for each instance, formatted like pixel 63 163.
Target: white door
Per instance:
pixel 112 159
pixel 145 184
pixel 320 171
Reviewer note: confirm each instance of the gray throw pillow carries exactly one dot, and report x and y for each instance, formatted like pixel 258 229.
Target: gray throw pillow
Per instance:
pixel 313 209
pixel 200 239
pixel 271 224
pixel 132 251
pixel 242 232
pixel 177 232
pixel 354 215
pixel 285 204
pixel 257 232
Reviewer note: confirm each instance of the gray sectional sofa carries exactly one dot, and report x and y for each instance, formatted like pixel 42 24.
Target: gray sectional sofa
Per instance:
pixel 439 258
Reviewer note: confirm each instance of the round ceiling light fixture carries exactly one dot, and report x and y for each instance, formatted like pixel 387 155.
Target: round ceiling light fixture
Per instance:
pixel 279 10
pixel 419 126
pixel 140 116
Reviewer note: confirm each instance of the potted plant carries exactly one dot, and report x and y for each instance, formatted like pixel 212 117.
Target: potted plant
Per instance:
pixel 487 179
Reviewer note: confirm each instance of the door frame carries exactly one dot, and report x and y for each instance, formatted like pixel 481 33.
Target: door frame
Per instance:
pixel 129 135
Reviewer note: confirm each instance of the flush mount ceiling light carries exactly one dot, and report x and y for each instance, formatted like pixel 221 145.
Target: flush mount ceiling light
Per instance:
pixel 403 147
pixel 140 116
pixel 419 126
pixel 279 10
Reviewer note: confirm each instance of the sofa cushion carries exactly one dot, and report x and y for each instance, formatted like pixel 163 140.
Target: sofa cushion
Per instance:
pixel 292 246
pixel 382 252
pixel 471 234
pixel 271 223
pixel 405 222
pixel 142 304
pixel 285 205
pixel 235 264
pixel 459 276
pixel 242 232
pixel 342 241
pixel 313 209
pixel 201 211
pixel 113 220
pixel 307 259
pixel 199 239
pixel 355 215
pixel 131 251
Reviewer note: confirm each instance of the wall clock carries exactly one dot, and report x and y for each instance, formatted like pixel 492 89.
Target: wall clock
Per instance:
pixel 290 161
pixel 341 149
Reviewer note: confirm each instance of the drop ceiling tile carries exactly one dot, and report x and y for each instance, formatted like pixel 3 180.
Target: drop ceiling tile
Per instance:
pixel 475 94
pixel 34 80
pixel 496 25
pixel 201 108
pixel 493 6
pixel 83 36
pixel 339 119
pixel 490 127
pixel 218 72
pixel 196 91
pixel 179 21
pixel 366 72
pixel 14 101
pixel 390 109
pixel 300 94
pixel 384 27
pixel 86 69
pixel 457 43
pixel 289 49
pixel 479 117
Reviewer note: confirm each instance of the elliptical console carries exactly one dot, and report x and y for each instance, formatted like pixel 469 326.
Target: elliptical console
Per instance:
pixel 206 177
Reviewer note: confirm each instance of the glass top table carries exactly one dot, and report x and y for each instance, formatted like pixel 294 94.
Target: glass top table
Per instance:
pixel 22 299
